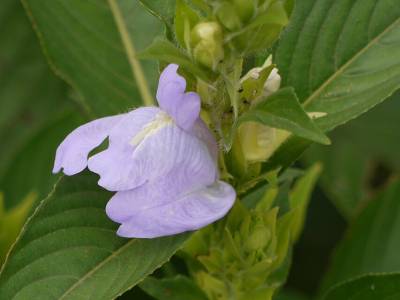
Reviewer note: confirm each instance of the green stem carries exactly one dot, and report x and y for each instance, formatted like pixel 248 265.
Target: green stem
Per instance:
pixel 232 82
pixel 131 53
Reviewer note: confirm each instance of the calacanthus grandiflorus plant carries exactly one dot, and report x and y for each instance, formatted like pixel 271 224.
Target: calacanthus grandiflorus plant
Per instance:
pixel 189 143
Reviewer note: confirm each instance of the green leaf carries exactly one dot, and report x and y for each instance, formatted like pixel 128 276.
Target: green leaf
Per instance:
pixel 370 287
pixel 91 45
pixel 165 51
pixel 282 110
pixel 290 295
pixel 340 56
pixel 373 241
pixel 362 157
pixel 162 9
pixel 69 249
pixel 289 6
pixel 185 19
pixel 30 169
pixel 176 288
pixel 11 222
pixel 299 198
pixel 30 96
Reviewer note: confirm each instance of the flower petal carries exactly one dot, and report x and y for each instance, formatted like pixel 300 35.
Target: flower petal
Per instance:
pixel 114 164
pixel 71 155
pixel 182 179
pixel 171 96
pixel 124 167
pixel 145 214
pixel 201 131
pixel 133 123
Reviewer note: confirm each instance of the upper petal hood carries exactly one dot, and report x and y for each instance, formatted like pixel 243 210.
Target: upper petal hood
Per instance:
pixel 126 166
pixel 171 96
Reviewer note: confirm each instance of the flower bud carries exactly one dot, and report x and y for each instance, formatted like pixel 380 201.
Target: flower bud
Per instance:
pixel 259 141
pixel 258 238
pixel 255 139
pixel 206 39
pixel 273 83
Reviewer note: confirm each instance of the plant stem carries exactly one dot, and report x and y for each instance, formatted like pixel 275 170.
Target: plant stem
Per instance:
pixel 131 53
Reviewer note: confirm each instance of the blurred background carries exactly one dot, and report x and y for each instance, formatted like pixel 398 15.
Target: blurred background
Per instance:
pixel 37 110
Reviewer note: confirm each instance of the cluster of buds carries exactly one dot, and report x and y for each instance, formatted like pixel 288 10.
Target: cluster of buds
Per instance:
pixel 239 257
pixel 247 255
pixel 218 29
pixel 251 25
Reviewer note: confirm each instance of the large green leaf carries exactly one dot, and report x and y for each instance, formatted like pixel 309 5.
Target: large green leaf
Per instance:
pixel 282 110
pixel 91 44
pixel 69 249
pixel 341 58
pixel 30 95
pixel 29 171
pixel 373 241
pixel 363 155
pixel 371 287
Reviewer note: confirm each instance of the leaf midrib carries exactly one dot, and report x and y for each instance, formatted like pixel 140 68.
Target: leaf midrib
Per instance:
pixel 340 71
pixel 97 267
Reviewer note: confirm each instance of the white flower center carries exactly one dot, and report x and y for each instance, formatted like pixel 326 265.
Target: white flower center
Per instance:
pixel 161 120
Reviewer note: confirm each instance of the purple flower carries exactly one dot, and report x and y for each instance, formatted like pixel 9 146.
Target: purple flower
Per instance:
pixel 162 162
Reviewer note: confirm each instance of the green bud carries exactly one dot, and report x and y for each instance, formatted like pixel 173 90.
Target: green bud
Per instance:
pixel 207 40
pixel 256 139
pixel 214 288
pixel 258 239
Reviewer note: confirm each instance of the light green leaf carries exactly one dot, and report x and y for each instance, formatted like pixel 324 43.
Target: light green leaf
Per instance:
pixel 11 222
pixel 341 58
pixel 282 110
pixel 185 19
pixel 165 51
pixel 370 287
pixel 362 157
pixel 91 44
pixel 299 198
pixel 372 243
pixel 176 288
pixel 69 249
